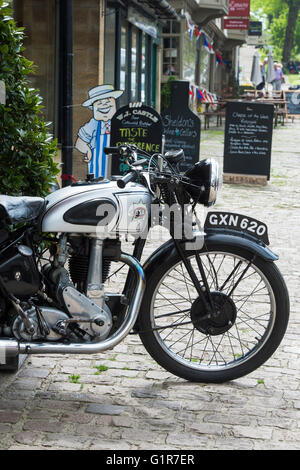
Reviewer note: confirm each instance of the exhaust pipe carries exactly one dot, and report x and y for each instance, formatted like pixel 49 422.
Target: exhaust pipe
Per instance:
pixel 15 347
pixel 9 349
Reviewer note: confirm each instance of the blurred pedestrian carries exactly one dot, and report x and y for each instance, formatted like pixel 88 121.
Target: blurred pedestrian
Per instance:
pixel 264 69
pixel 277 83
pixel 291 66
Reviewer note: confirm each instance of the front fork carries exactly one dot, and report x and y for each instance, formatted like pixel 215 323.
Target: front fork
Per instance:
pixel 203 289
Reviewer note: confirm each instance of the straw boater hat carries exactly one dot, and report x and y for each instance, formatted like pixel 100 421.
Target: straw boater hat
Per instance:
pixel 101 92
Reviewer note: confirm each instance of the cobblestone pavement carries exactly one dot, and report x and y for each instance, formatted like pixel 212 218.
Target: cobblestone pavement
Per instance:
pixel 134 404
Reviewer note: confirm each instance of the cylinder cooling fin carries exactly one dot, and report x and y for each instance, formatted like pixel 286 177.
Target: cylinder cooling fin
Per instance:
pixel 79 265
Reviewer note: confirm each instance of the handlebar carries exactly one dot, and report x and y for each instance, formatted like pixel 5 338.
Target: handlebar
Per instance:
pixel 132 176
pixel 108 150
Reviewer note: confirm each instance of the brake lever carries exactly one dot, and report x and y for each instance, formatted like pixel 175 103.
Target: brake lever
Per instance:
pixel 139 162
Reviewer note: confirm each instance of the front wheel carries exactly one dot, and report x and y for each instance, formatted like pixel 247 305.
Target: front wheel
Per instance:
pixel 252 309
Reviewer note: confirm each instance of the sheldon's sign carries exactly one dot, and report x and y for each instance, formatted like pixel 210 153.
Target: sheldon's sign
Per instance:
pixel 135 124
pixel 181 126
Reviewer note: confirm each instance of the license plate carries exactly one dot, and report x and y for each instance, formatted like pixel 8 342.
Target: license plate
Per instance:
pixel 238 222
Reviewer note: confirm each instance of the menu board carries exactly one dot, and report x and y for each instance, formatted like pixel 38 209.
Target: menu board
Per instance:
pixel 292 101
pixel 135 124
pixel 248 138
pixel 181 126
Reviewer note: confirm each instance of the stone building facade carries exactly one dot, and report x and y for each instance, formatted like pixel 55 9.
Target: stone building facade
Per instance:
pixel 134 46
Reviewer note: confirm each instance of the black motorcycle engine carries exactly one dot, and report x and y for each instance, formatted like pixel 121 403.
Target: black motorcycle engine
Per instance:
pixel 19 272
pixel 79 263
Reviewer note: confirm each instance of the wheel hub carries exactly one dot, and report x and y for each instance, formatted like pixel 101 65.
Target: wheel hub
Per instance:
pixel 220 323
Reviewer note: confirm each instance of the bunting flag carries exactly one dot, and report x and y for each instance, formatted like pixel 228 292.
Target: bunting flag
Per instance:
pixel 219 58
pixel 194 29
pixel 197 31
pixel 200 94
pixel 203 95
pixel 191 27
pixel 192 93
pixel 212 100
pixel 207 45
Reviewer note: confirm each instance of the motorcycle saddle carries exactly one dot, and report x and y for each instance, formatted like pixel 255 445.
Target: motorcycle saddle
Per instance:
pixel 20 209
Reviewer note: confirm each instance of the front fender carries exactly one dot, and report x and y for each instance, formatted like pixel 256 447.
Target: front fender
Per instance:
pixel 215 238
pixel 241 240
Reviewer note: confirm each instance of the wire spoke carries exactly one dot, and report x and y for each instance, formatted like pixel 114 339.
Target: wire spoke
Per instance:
pixel 250 308
pixel 168 287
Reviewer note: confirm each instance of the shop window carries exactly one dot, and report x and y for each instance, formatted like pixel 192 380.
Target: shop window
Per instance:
pixel 154 72
pixel 134 65
pixel 129 61
pixel 170 56
pixel 171 27
pixel 124 64
pixel 171 41
pixel 204 66
pixel 143 68
pixel 109 50
pixel 189 58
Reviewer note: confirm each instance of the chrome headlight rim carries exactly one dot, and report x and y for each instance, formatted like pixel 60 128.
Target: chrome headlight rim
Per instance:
pixel 215 182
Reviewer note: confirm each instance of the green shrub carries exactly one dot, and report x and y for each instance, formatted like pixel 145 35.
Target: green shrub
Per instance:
pixel 166 93
pixel 26 148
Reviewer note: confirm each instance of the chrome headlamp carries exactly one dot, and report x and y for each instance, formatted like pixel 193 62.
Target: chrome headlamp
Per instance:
pixel 205 181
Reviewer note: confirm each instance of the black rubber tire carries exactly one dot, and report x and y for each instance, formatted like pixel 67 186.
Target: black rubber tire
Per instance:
pixel 237 368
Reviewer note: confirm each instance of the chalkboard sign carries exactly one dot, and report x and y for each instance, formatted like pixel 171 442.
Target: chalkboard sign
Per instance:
pixel 181 126
pixel 248 138
pixel 292 101
pixel 255 28
pixel 135 124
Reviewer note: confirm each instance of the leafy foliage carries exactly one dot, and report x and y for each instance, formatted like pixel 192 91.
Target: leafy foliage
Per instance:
pixel 275 15
pixel 166 93
pixel 26 148
pixel 277 28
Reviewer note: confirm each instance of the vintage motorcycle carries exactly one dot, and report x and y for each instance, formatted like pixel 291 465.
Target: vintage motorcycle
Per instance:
pixel 209 304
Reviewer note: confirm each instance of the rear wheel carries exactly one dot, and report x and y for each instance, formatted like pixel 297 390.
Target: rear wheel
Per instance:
pixel 252 309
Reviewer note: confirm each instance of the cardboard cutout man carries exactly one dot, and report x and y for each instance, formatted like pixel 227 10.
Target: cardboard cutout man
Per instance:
pixel 95 134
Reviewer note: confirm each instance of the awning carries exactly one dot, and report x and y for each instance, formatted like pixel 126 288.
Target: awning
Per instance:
pixel 162 9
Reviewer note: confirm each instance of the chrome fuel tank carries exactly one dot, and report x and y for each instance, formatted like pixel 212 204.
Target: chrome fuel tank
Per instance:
pixel 101 208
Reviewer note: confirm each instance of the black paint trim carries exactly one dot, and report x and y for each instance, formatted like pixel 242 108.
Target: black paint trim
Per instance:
pixel 86 213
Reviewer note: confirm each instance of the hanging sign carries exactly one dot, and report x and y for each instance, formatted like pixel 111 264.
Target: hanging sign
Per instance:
pixel 181 126
pixel 236 23
pixel 255 28
pixel 135 124
pixel 239 8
